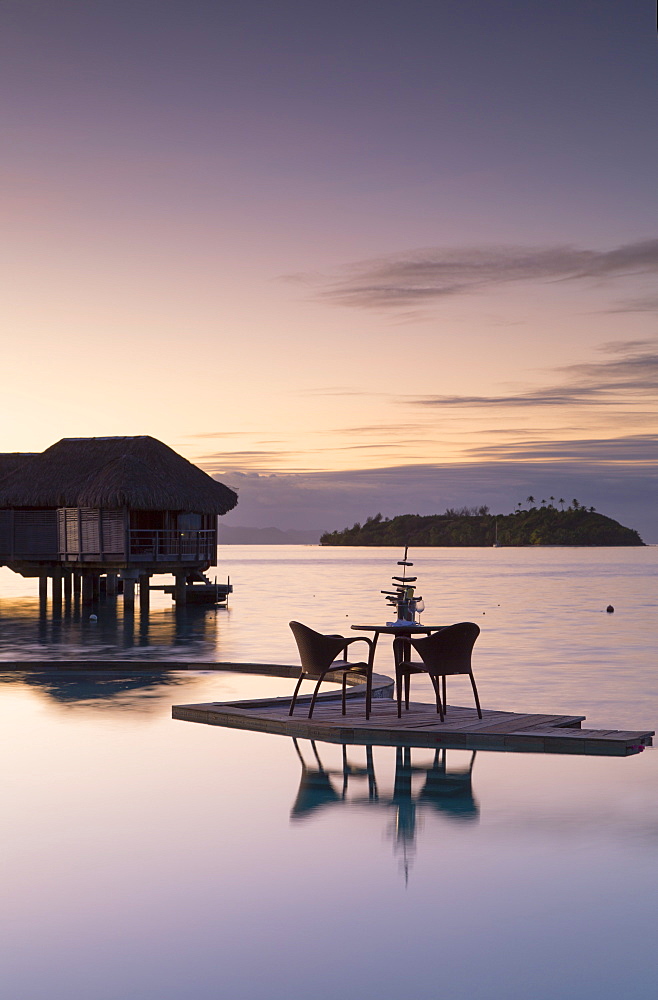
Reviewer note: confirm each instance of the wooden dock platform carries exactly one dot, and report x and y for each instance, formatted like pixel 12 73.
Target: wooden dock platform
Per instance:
pixel 418 727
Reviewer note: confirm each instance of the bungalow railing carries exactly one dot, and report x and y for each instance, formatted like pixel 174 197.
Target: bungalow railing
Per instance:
pixel 165 545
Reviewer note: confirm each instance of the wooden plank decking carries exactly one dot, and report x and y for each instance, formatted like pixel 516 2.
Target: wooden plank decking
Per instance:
pixel 419 727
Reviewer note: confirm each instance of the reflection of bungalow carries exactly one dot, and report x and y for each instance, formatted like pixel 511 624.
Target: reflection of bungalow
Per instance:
pixel 114 506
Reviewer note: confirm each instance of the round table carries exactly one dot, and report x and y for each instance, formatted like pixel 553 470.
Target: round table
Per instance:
pixel 404 631
pixel 404 628
pixel 401 651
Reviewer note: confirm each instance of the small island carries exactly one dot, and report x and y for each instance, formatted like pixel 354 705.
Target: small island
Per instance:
pixel 545 524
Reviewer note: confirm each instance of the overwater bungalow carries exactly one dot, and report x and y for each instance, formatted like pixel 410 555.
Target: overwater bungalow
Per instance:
pixel 117 508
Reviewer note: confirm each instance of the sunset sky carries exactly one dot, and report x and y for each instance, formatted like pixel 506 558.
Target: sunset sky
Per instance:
pixel 348 257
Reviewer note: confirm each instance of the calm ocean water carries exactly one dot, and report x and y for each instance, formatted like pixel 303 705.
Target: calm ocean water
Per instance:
pixel 148 858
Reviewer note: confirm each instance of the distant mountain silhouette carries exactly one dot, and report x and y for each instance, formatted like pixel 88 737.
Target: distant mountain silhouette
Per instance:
pixel 228 535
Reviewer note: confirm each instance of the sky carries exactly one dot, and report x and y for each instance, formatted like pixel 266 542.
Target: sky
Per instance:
pixel 347 257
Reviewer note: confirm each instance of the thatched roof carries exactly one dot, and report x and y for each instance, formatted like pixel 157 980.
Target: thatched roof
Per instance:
pixel 136 472
pixel 12 460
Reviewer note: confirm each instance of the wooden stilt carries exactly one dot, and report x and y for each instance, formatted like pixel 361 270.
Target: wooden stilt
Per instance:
pixel 87 588
pixel 43 588
pixel 180 592
pixel 77 582
pixel 68 584
pixel 96 588
pixel 111 585
pixel 144 592
pixel 57 590
pixel 128 593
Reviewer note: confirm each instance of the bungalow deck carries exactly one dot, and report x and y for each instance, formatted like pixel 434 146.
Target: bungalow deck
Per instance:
pixel 418 727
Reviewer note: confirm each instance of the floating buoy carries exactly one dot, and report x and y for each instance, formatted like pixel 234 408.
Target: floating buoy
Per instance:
pixel 610 609
pixel 93 618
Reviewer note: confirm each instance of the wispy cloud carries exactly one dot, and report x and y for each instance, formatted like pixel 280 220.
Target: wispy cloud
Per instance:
pixel 339 390
pixel 266 461
pixel 632 449
pixel 644 304
pixel 246 459
pixel 432 274
pixel 220 434
pixel 630 375
pixel 398 429
pixel 382 445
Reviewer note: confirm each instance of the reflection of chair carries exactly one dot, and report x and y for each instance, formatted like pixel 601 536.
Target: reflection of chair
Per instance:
pixel 359 771
pixel 449 792
pixel 442 653
pixel 416 789
pixel 316 788
pixel 318 655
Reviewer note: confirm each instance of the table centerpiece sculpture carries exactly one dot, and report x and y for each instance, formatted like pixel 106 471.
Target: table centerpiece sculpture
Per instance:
pixel 404 599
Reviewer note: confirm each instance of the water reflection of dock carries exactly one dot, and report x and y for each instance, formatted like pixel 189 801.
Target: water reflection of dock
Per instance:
pixel 415 787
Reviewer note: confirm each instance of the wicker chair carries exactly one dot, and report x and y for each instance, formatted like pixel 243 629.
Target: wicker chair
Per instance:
pixel 318 655
pixel 441 654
